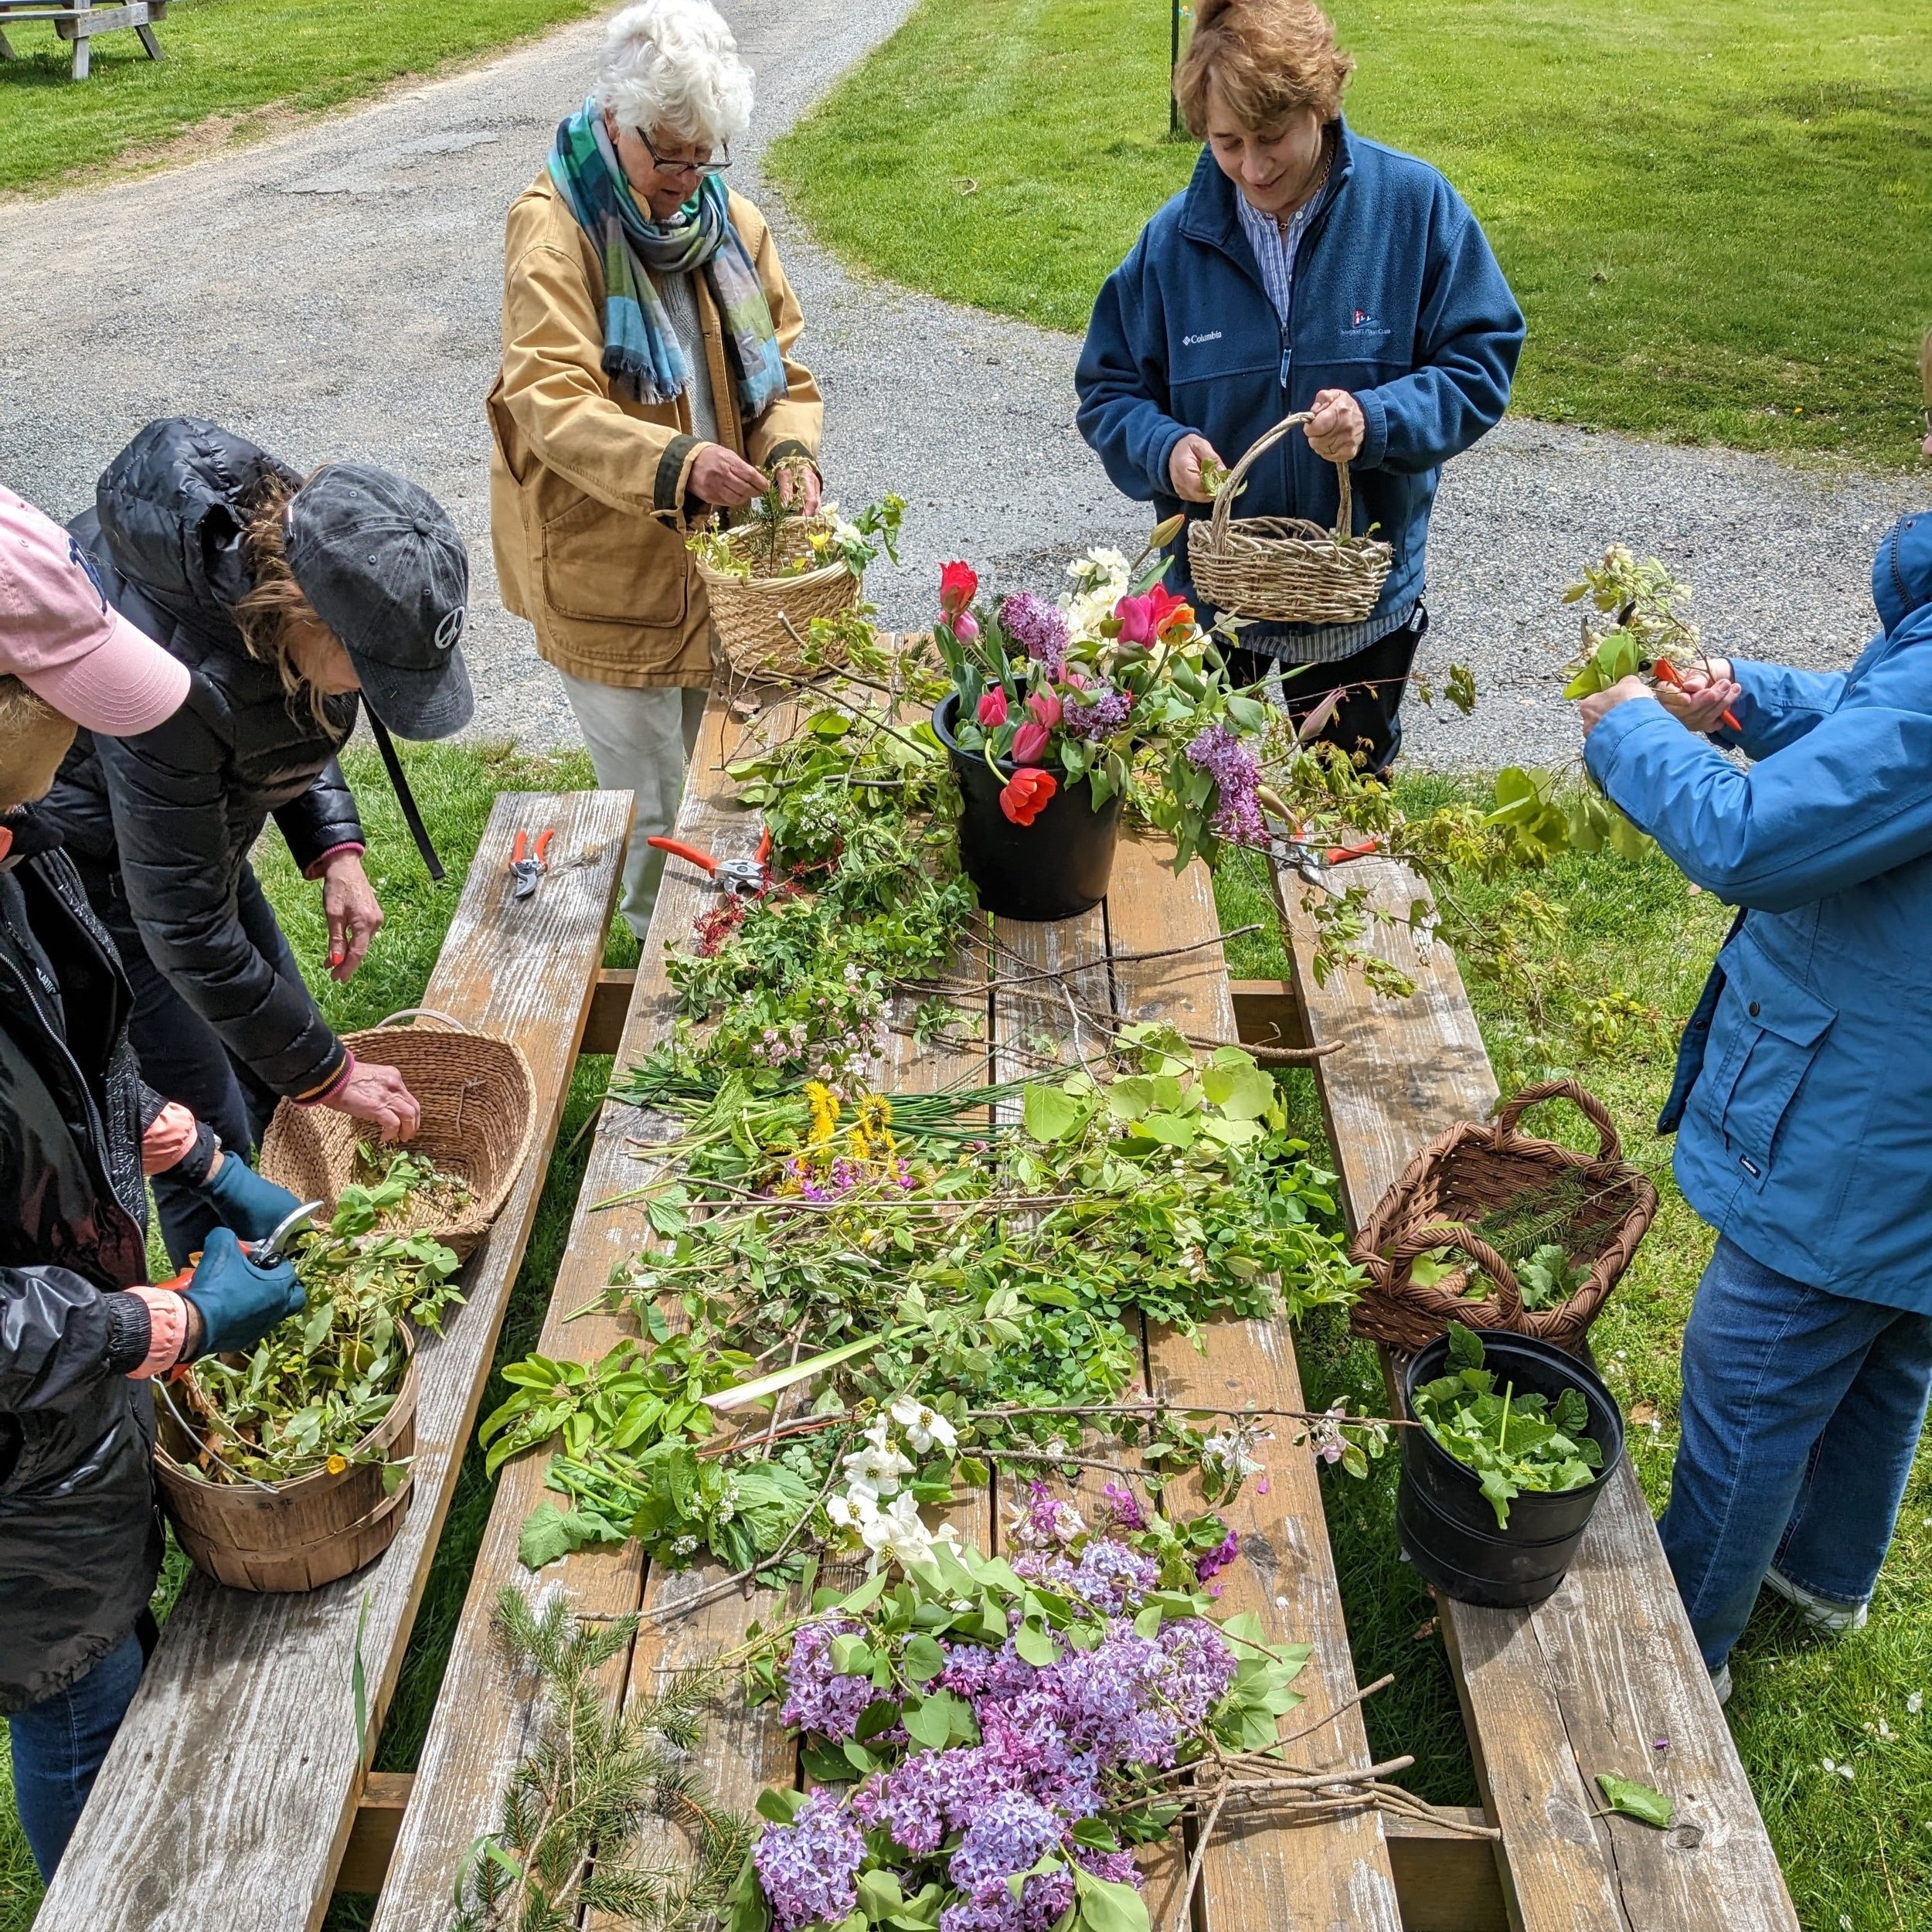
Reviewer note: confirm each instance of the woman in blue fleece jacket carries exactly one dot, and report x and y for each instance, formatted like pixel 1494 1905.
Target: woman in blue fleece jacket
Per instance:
pixel 1303 267
pixel 1802 1103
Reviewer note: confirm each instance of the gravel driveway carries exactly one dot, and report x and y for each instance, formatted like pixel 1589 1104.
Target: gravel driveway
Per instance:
pixel 335 292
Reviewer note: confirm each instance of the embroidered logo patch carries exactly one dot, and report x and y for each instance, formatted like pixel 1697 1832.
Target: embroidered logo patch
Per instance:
pixel 76 556
pixel 1362 318
pixel 1189 341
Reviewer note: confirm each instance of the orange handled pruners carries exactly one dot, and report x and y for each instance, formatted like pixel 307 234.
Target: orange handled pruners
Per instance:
pixel 744 878
pixel 1665 672
pixel 528 866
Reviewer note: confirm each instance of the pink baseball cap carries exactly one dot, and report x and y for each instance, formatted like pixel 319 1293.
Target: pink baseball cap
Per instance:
pixel 61 638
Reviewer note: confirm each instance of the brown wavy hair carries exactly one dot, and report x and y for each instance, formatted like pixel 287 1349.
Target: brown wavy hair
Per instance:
pixel 273 602
pixel 1269 58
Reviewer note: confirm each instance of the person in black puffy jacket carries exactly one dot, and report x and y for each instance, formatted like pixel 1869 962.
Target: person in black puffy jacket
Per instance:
pixel 80 1334
pixel 287 601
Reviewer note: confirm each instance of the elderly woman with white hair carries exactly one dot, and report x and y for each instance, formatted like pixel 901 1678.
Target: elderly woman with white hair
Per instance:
pixel 648 377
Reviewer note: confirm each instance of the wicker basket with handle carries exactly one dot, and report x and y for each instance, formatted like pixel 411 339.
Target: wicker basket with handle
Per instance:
pixel 479 1119
pixel 1468 1174
pixel 752 613
pixel 1282 569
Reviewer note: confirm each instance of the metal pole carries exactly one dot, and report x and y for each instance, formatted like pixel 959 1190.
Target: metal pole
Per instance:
pixel 1173 61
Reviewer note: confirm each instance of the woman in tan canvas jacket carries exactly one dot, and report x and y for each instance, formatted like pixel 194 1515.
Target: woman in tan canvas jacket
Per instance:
pixel 649 376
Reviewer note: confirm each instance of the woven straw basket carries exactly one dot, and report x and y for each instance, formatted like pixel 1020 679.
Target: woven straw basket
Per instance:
pixel 751 614
pixel 1467 1174
pixel 479 1118
pixel 1282 569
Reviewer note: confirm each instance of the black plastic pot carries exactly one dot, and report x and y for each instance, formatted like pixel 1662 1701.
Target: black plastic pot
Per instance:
pixel 1446 1525
pixel 1057 866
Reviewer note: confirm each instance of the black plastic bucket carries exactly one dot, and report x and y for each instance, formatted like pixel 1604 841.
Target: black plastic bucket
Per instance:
pixel 1057 866
pixel 1445 1523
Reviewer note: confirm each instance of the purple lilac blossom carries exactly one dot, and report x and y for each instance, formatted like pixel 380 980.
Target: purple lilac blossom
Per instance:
pixel 1215 1560
pixel 1038 628
pixel 1216 750
pixel 1098 718
pixel 1124 1507
pixel 816 1697
pixel 806 1867
pixel 1007 1834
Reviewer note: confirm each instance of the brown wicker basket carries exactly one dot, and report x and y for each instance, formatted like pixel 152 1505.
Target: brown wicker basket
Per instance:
pixel 1466 1174
pixel 1284 569
pixel 751 614
pixel 292 1535
pixel 479 1117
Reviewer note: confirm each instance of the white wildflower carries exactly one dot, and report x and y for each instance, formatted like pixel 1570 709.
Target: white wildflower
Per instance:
pixel 924 1427
pixel 1916 1702
pixel 878 1466
pixel 896 1535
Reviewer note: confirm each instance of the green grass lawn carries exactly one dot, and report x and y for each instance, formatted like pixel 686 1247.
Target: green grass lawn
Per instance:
pixel 226 60
pixel 1856 1851
pixel 1717 214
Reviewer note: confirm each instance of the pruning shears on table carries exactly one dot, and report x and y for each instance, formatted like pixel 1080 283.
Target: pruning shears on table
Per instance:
pixel 1314 861
pixel 736 878
pixel 529 863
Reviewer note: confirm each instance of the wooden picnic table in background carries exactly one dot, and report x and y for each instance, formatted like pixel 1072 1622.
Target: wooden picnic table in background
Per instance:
pixel 79 21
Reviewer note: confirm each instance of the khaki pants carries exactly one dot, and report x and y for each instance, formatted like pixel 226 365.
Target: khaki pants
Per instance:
pixel 639 741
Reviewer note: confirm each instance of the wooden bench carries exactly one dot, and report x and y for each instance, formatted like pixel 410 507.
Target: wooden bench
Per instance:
pixel 226 1802
pixel 81 21
pixel 1590 1680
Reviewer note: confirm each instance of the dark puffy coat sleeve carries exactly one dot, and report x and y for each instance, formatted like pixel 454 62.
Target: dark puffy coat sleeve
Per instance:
pixel 167 790
pixel 60 1336
pixel 322 820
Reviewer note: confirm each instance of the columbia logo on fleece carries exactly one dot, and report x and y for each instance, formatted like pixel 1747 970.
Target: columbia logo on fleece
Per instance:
pixel 1362 319
pixel 1213 335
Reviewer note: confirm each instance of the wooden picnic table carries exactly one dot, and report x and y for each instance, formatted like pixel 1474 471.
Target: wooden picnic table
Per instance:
pixel 226 1800
pixel 80 20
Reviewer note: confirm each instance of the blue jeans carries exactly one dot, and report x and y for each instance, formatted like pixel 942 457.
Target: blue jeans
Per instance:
pixel 58 1746
pixel 1801 1412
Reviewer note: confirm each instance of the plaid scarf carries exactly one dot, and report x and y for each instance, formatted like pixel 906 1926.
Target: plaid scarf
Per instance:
pixel 641 348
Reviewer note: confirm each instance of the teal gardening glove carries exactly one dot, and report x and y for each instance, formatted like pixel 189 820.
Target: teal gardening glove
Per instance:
pixel 237 1302
pixel 253 1206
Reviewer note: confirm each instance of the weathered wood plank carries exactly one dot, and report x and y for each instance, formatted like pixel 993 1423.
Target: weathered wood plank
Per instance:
pixel 483 1718
pixel 1446 1880
pixel 227 1796
pixel 1258 1874
pixel 1586 1682
pixel 1038 1024
pixel 1267 1013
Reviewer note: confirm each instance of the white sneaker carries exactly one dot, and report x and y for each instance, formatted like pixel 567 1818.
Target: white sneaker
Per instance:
pixel 1833 1619
pixel 1721 1683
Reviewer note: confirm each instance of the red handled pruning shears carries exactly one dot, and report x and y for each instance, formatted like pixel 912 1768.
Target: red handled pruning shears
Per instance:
pixel 263 1253
pixel 1665 672
pixel 743 878
pixel 1312 862
pixel 527 866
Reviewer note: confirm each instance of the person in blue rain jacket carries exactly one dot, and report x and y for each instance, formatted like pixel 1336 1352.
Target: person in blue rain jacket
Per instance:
pixel 1304 267
pixel 1802 1103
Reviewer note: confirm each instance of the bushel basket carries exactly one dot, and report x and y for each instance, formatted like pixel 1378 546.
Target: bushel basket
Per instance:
pixel 1482 1174
pixel 1282 569
pixel 752 613
pixel 292 1535
pixel 479 1117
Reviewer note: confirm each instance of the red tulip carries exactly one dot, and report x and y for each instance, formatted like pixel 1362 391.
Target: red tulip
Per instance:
pixel 1029 743
pixel 1045 706
pixel 958 585
pixel 1027 794
pixel 992 708
pixel 1142 619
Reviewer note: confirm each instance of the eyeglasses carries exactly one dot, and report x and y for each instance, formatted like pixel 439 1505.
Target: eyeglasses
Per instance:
pixel 709 165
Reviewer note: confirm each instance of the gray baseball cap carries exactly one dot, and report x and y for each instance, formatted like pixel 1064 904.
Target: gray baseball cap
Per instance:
pixel 383 565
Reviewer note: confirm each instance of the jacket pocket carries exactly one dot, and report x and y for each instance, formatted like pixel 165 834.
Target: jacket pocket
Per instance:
pixel 607 567
pixel 1765 1034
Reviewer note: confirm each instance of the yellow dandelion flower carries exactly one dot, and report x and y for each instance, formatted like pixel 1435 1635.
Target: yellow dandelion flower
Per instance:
pixel 336 1464
pixel 825 1113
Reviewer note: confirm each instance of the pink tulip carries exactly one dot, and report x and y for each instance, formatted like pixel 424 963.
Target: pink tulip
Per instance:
pixel 1029 743
pixel 965 627
pixel 1045 706
pixel 992 708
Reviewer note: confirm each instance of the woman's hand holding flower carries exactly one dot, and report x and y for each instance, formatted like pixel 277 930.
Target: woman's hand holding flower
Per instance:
pixel 1184 468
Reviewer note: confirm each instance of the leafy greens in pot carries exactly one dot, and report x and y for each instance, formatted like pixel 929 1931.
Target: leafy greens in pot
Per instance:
pixel 1514 1443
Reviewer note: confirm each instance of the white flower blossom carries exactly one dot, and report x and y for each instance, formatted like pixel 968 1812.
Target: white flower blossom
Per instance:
pixel 924 1427
pixel 895 1535
pixel 878 1466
